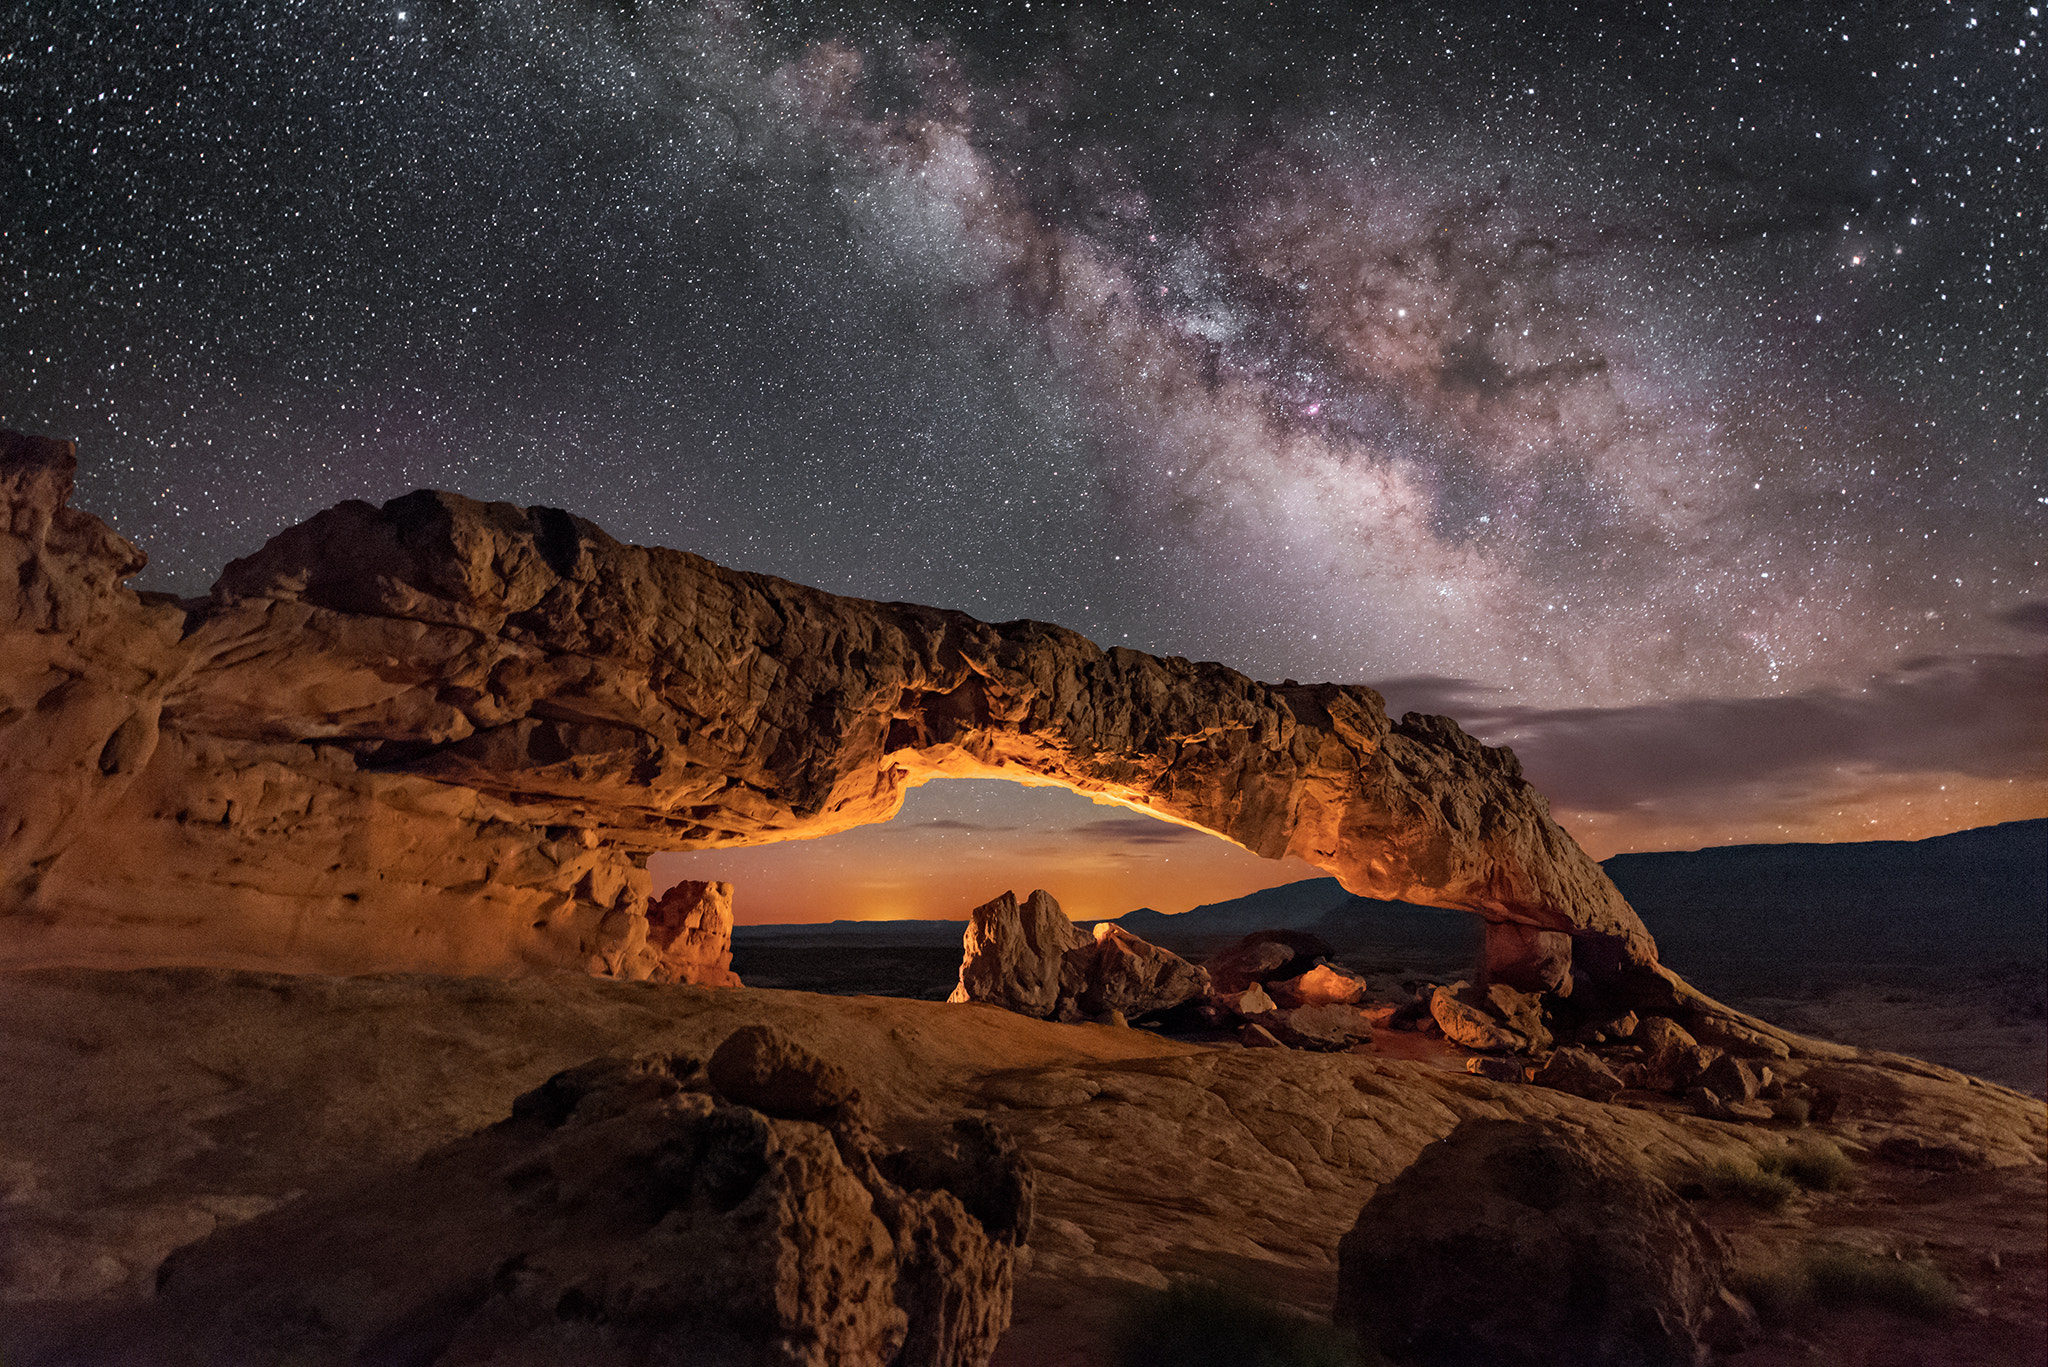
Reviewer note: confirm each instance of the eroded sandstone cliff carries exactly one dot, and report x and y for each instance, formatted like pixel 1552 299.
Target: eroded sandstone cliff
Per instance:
pixel 445 735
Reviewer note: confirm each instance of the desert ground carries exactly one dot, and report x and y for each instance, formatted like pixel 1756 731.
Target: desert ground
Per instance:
pixel 151 1107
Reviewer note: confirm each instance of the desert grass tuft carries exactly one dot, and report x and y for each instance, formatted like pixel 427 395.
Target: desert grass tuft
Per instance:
pixel 1741 1179
pixel 1199 1324
pixel 1845 1277
pixel 1839 1278
pixel 1817 1165
pixel 1793 1110
pixel 1769 1181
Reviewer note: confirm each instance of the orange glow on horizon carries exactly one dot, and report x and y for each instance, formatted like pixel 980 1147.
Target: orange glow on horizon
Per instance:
pixel 958 843
pixel 1849 805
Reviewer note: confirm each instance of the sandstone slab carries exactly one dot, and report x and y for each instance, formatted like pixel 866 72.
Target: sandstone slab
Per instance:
pixel 153 1106
pixel 1328 1026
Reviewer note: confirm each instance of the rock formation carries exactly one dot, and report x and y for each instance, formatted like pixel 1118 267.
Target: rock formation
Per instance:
pixel 628 1211
pixel 1496 1018
pixel 1031 959
pixel 445 735
pixel 1527 1246
pixel 688 937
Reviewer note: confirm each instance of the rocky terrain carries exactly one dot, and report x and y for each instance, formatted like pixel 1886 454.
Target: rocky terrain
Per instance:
pixel 153 1107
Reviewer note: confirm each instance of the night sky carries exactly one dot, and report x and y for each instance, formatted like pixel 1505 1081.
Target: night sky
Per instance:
pixel 1660 391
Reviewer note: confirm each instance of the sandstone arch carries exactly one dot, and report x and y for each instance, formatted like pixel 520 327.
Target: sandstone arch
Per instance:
pixel 444 735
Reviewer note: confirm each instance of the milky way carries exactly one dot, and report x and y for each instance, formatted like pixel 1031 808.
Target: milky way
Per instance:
pixel 1595 377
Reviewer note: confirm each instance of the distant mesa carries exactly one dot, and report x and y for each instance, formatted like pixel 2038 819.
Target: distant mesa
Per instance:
pixel 444 735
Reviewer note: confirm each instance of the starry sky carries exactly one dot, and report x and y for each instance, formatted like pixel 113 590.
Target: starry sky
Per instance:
pixel 1658 389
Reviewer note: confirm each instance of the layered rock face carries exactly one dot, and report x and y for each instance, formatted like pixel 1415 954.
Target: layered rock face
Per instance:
pixel 630 1210
pixel 444 735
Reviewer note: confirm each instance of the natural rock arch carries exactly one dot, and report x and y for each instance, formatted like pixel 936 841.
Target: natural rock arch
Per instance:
pixel 444 735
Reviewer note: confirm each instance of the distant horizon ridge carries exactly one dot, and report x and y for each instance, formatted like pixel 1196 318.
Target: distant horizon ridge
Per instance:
pixel 1301 884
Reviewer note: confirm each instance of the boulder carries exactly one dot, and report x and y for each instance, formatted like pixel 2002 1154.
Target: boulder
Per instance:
pixel 1255 1036
pixel 763 1067
pixel 1719 1031
pixel 1137 978
pixel 628 1211
pixel 1494 1068
pixel 1464 1018
pixel 1529 1245
pixel 1496 1019
pixel 1527 958
pixel 1252 1001
pixel 1729 1078
pixel 1522 1012
pixel 1024 958
pixel 1031 959
pixel 1606 1029
pixel 1579 1072
pixel 689 931
pixel 1672 1058
pixel 1323 985
pixel 1329 1027
pixel 1266 956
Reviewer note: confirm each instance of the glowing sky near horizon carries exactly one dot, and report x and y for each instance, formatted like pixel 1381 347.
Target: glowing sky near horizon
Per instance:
pixel 1661 392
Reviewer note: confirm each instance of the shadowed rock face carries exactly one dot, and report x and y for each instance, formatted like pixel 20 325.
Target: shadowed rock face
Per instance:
pixel 1529 1245
pixel 629 1211
pixel 445 734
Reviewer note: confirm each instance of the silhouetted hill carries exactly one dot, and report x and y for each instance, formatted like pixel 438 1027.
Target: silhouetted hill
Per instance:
pixel 1968 899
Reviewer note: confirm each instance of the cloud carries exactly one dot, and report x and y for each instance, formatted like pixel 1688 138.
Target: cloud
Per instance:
pixel 1983 717
pixel 1436 694
pixel 2029 617
pixel 1136 830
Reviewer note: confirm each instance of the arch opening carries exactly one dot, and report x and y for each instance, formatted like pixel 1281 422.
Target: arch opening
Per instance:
pixel 957 842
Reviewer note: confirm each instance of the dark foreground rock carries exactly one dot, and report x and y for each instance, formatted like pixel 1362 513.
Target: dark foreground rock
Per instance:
pixel 627 1212
pixel 1529 1245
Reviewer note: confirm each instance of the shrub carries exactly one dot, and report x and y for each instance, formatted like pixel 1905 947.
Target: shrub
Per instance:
pixel 1744 1180
pixel 1841 1276
pixel 1837 1278
pixel 1793 1110
pixel 1771 1180
pixel 1818 1166
pixel 1198 1324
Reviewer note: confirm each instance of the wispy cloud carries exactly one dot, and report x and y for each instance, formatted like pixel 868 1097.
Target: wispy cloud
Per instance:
pixel 1135 830
pixel 1692 766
